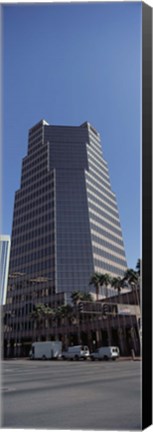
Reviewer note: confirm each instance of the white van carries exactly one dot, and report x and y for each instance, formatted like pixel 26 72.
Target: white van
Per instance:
pixel 105 353
pixel 76 353
pixel 46 350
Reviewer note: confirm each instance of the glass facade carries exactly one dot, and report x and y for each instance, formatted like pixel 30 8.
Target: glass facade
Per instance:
pixel 66 222
pixel 106 235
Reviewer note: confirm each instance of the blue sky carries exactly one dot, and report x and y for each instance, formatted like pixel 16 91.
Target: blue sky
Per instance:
pixel 68 63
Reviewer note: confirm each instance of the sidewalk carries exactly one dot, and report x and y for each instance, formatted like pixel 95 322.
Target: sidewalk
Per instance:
pixel 130 358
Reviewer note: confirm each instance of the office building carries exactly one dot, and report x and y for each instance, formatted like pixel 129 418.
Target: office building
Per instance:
pixel 66 223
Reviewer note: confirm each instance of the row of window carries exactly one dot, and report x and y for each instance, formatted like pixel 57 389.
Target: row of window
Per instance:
pixel 28 285
pixel 98 166
pixel 99 177
pixel 72 257
pixel 71 233
pixel 28 160
pixel 34 214
pixel 98 194
pixel 19 326
pixel 98 171
pixel 71 209
pixel 38 294
pixel 100 210
pixel 35 186
pixel 71 262
pixel 93 131
pixel 30 168
pixel 69 252
pixel 35 138
pixel 36 130
pixel 68 165
pixel 31 204
pixel 69 149
pixel 98 151
pixel 65 134
pixel 34 178
pixel 39 242
pixel 77 236
pixel 34 233
pixel 65 277
pixel 42 268
pixel 107 268
pixel 25 250
pixel 101 192
pixel 107 245
pixel 102 214
pixel 102 222
pixel 106 234
pixel 99 157
pixel 29 197
pixel 72 202
pixel 40 254
pixel 26 325
pixel 98 184
pixel 109 256
pixel 98 181
pixel 68 283
pixel 29 293
pixel 95 139
pixel 34 148
pixel 29 226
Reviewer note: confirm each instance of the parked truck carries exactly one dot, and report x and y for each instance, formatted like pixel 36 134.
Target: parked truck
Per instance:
pixel 46 350
pixel 105 353
pixel 76 352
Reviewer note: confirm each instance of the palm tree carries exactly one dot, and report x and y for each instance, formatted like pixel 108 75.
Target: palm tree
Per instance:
pixel 86 297
pixel 133 279
pixel 40 313
pixel 65 312
pixel 95 280
pixel 138 269
pixel 131 276
pixel 76 296
pixel 117 283
pixel 105 279
pixel 138 266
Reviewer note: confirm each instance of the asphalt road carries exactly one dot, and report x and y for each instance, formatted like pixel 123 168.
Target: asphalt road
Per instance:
pixel 71 395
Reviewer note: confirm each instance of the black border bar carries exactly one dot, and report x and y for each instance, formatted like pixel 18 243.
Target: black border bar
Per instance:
pixel 146 215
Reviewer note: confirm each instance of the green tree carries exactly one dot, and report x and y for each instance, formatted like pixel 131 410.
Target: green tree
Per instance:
pixel 65 313
pixel 76 297
pixel 86 297
pixel 131 276
pixel 96 281
pixel 133 279
pixel 138 267
pixel 40 313
pixel 117 283
pixel 105 279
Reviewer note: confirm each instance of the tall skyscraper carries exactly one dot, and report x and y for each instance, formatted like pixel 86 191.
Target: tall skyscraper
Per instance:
pixel 4 266
pixel 66 223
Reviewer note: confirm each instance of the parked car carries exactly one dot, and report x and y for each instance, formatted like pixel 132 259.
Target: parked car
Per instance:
pixel 77 352
pixel 105 353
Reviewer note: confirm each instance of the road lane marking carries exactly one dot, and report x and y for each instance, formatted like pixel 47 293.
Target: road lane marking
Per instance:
pixel 7 389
